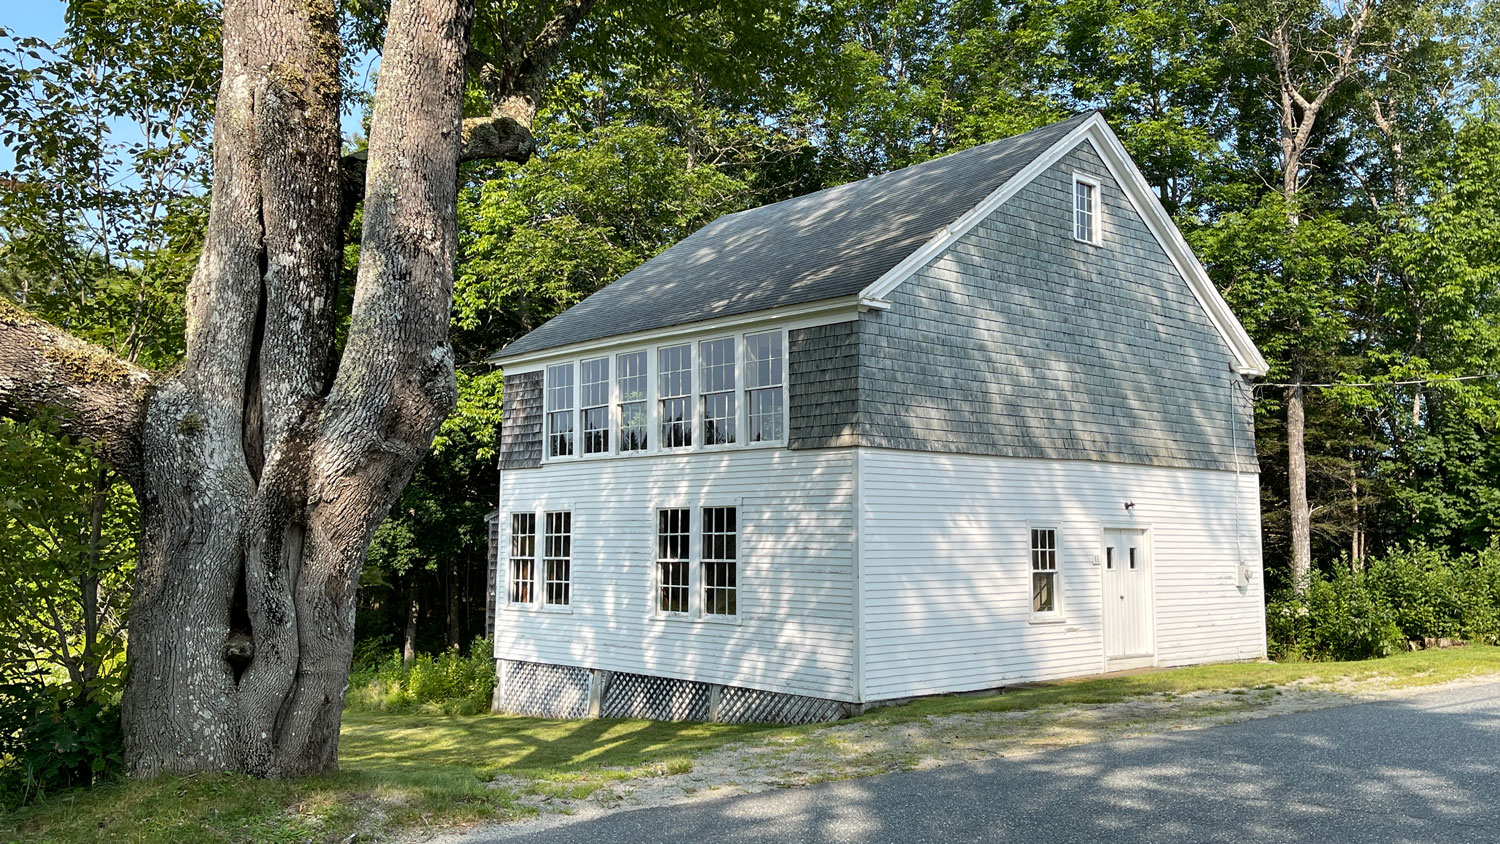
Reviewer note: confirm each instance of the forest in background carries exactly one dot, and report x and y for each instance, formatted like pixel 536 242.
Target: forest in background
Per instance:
pixel 1335 166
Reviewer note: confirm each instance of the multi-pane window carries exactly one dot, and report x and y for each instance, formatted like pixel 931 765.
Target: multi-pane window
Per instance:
pixel 557 558
pixel 560 410
pixel 1085 212
pixel 673 534
pixel 631 369
pixel 522 568
pixel 723 391
pixel 675 387
pixel 593 397
pixel 719 556
pixel 763 386
pixel 716 360
pixel 1043 570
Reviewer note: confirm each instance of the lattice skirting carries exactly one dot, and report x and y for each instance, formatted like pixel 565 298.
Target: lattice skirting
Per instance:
pixel 753 706
pixel 561 691
pixel 654 698
pixel 550 691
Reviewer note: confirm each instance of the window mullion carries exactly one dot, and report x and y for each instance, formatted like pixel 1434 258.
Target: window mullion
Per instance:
pixel 695 558
pixel 695 393
pixel 653 399
pixel 741 401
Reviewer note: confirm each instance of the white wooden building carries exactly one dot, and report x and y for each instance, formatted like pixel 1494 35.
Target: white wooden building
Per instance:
pixel 976 422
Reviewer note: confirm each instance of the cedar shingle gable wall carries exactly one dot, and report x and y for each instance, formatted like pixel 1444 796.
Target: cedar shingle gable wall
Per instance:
pixel 1021 341
pixel 521 421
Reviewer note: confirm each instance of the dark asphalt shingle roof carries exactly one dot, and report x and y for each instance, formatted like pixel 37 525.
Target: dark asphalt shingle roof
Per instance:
pixel 819 246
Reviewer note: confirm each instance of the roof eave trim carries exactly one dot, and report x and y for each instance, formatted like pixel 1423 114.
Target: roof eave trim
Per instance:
pixel 1248 359
pixel 838 309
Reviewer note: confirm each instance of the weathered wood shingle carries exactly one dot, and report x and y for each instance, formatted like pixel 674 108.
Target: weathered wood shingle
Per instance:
pixel 823 386
pixel 521 422
pixel 1021 341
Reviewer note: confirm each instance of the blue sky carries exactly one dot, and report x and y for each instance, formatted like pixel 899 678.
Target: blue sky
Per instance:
pixel 37 18
pixel 44 19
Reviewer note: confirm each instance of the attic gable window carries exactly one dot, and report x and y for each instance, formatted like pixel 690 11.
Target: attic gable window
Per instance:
pixel 1085 209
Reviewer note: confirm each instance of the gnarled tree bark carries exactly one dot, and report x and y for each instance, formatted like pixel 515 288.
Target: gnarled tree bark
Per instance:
pixel 263 466
pixel 261 470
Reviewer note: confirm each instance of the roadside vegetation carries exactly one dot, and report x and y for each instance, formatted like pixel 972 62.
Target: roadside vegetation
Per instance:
pixel 403 772
pixel 1404 599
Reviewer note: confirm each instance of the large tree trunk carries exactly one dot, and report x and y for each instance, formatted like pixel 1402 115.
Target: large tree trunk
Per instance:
pixel 264 474
pixel 263 467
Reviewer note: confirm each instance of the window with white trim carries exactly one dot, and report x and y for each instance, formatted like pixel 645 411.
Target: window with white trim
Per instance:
pixel 1043 571
pixel 631 369
pixel 522 567
pixel 557 558
pixel 593 398
pixel 720 555
pixel 610 405
pixel 675 376
pixel 673 535
pixel 765 400
pixel 716 361
pixel 1085 210
pixel 560 410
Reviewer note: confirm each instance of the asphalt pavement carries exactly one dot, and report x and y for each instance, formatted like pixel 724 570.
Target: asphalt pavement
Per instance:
pixel 1424 768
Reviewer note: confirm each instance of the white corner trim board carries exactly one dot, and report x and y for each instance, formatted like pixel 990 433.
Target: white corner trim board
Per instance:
pixel 1096 131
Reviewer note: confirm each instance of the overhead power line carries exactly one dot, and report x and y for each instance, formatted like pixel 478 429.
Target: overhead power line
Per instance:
pixel 1409 383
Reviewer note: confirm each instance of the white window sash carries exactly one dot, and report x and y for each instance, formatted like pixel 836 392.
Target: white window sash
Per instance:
pixel 695 414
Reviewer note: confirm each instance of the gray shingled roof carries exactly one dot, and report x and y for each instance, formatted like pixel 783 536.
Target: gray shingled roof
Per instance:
pixel 819 246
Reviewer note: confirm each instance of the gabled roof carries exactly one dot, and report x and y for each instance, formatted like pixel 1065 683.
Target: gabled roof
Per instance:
pixel 861 240
pixel 819 246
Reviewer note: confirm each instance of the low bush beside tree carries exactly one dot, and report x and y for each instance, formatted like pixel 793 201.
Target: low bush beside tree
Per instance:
pixel 1411 595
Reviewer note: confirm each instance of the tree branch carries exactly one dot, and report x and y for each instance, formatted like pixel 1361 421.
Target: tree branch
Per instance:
pixel 484 139
pixel 103 397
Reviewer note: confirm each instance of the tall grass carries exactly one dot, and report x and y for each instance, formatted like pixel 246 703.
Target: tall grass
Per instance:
pixel 451 683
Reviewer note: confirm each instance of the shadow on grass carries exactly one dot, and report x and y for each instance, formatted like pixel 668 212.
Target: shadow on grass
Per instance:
pixel 488 745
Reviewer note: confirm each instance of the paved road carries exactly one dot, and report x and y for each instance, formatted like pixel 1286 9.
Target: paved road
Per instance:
pixel 1422 769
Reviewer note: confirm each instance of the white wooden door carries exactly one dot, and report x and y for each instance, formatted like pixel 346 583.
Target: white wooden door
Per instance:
pixel 1128 623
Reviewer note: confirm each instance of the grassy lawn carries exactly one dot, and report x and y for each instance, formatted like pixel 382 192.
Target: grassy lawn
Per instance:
pixel 405 771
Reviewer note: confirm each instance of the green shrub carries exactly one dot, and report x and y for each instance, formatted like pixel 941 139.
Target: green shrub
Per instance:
pixel 451 683
pixel 1410 594
pixel 1336 619
pixel 50 740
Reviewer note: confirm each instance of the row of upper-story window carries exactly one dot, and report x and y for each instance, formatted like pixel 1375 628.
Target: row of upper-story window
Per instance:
pixel 693 579
pixel 712 393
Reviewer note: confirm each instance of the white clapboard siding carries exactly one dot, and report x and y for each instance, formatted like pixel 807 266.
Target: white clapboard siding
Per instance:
pixel 795 630
pixel 945 566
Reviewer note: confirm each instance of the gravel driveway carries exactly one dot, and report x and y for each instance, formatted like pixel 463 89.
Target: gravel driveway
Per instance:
pixel 1421 767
